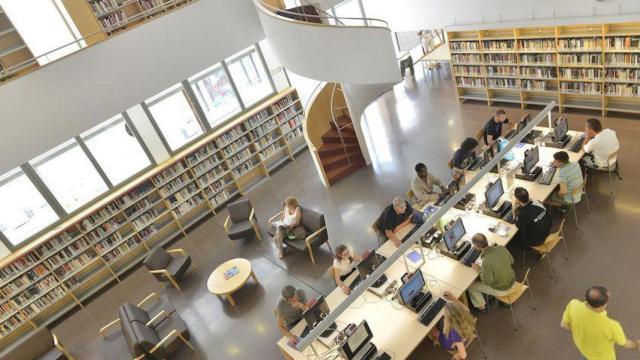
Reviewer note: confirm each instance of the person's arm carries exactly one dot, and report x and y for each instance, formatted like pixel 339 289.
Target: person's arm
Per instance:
pixel 418 193
pixel 564 189
pixel 565 323
pixel 340 283
pixel 298 215
pixel 632 344
pixel 402 224
pixel 392 236
pixel 285 331
pixel 486 275
pixel 461 351
pixel 449 296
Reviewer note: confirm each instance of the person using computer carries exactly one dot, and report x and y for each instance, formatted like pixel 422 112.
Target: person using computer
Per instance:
pixel 289 224
pixel 395 217
pixel 463 156
pixel 493 127
pixel 289 310
pixel 533 220
pixel 425 186
pixel 594 333
pixel 344 265
pixel 599 144
pixel 456 326
pixel 569 178
pixel 496 273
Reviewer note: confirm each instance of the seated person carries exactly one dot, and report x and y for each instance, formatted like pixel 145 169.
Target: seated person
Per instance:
pixel 599 144
pixel 395 217
pixel 423 186
pixel 344 265
pixel 456 326
pixel 289 310
pixel 493 127
pixel 533 220
pixel 464 155
pixel 289 225
pixel 496 273
pixel 570 178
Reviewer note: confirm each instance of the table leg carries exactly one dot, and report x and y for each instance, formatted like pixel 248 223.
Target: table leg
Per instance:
pixel 254 278
pixel 231 301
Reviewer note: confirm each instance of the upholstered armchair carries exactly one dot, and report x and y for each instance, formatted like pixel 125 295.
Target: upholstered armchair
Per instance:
pixel 168 265
pixel 241 222
pixel 316 228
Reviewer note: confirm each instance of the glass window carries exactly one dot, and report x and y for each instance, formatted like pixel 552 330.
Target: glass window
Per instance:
pixel 175 117
pixel 275 69
pixel 349 9
pixel 70 176
pixel 23 210
pixel 250 76
pixel 116 149
pixel 215 94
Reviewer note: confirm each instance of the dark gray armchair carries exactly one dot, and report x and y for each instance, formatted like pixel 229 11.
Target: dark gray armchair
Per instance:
pixel 168 265
pixel 316 227
pixel 241 222
pixel 41 344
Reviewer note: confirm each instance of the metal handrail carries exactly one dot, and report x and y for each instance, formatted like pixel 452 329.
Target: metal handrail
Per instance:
pixel 365 21
pixel 15 68
pixel 335 123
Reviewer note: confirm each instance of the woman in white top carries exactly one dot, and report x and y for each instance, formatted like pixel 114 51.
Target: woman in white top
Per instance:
pixel 289 224
pixel 343 265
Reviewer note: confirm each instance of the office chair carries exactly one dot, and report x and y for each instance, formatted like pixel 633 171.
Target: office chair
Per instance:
pixel 612 168
pixel 516 291
pixel 411 196
pixel 550 243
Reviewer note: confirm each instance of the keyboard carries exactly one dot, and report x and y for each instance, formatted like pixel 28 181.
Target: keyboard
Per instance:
pixel 355 282
pixel 429 313
pixel 558 144
pixel 470 257
pixel 510 134
pixel 509 217
pixel 577 146
pixel 411 232
pixel 382 258
pixel 504 208
pixel 420 300
pixel 383 279
pixel 443 199
pixel 548 176
pixel 530 177
pixel 530 137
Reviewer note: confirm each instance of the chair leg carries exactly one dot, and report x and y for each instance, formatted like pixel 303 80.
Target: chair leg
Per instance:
pixel 513 316
pixel 610 181
pixel 575 214
pixel 173 282
pixel 330 249
pixel 484 354
pixel 533 300
pixel 549 262
pixel 257 230
pixel 313 259
pixel 435 350
pixel 564 244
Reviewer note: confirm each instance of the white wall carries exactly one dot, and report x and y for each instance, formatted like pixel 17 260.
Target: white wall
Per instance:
pixel 354 55
pixel 435 14
pixel 53 104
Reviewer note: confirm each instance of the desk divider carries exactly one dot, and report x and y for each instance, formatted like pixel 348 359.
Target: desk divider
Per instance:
pixel 366 283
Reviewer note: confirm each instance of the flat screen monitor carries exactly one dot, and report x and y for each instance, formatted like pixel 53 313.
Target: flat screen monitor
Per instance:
pixel 531 158
pixel 562 126
pixel 313 315
pixel 454 234
pixel 412 287
pixel 367 265
pixel 356 341
pixel 493 193
pixel 523 123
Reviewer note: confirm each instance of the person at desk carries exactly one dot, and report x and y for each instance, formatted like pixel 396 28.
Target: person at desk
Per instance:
pixel 493 127
pixel 395 217
pixel 496 273
pixel 424 184
pixel 463 156
pixel 289 225
pixel 593 332
pixel 457 325
pixel 533 220
pixel 569 177
pixel 599 144
pixel 290 309
pixel 344 265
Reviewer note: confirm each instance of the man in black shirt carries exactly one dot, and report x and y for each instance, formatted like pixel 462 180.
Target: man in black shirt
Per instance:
pixel 396 216
pixel 533 220
pixel 463 156
pixel 493 127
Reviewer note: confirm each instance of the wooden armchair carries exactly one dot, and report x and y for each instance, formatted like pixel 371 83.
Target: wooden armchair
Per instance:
pixel 316 228
pixel 241 222
pixel 168 265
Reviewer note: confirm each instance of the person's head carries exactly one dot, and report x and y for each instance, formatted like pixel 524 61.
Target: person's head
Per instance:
pixel 291 202
pixel 597 297
pixel 560 158
pixel 289 293
pixel 469 144
pixel 594 126
pixel 522 195
pixel 421 170
pixel 457 317
pixel 343 252
pixel 479 241
pixel 399 205
pixel 500 116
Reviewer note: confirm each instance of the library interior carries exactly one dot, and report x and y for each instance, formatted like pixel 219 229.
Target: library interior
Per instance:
pixel 319 179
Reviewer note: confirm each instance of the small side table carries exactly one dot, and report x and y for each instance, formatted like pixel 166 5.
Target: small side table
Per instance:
pixel 220 286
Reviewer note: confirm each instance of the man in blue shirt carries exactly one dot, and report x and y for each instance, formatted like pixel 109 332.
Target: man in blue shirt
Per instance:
pixel 493 127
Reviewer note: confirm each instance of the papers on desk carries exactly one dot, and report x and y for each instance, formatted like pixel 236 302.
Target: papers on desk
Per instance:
pixel 414 256
pixel 501 229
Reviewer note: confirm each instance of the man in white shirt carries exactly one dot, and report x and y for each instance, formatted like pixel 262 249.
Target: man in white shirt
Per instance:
pixel 600 143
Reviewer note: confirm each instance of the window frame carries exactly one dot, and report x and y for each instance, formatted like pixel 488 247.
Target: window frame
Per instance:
pixel 189 85
pixel 238 57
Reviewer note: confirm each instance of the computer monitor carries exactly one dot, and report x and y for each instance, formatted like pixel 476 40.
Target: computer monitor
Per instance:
pixel 412 287
pixel 454 234
pixel 562 126
pixel 367 265
pixel 531 158
pixel 495 149
pixel 318 311
pixel 523 123
pixel 493 193
pixel 356 341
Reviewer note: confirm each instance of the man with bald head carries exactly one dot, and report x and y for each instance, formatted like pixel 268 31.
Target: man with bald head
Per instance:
pixel 593 332
pixel 395 217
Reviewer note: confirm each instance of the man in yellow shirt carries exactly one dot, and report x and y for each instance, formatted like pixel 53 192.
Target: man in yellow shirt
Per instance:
pixel 593 332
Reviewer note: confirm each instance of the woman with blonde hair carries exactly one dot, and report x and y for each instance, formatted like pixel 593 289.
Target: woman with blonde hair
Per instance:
pixel 289 224
pixel 344 264
pixel 457 326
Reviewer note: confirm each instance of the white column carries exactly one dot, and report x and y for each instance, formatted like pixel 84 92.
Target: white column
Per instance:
pixel 148 133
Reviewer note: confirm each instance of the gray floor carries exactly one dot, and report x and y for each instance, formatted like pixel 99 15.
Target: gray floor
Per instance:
pixel 404 127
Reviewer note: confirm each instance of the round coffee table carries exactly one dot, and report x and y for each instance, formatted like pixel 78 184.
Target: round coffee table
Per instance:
pixel 220 286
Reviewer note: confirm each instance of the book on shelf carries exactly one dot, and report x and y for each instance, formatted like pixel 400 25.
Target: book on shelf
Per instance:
pixel 466 58
pixel 183 194
pixel 229 136
pixel 135 194
pixel 168 173
pixel 202 153
pixel 212 175
pixel 580 59
pixel 623 59
pixel 292 123
pixel 174 185
pixel 622 75
pixel 537 45
pixel 536 85
pixel 630 90
pixel 498 45
pixel 207 165
pixel 144 219
pixel 467 70
pixel 257 118
pixel 103 230
pixel 500 58
pixel 464 46
pixel 239 157
pixel 18 265
pixel 581 88
pixel 188 205
pixel 281 104
pixel 244 168
pixel 501 71
pixel 236 145
pixel 98 217
pixel 503 83
pixel 623 43
pixel 113 20
pixel 580 74
pixel 538 59
pixel 266 127
pixel 577 44
pixel 469 82
pixel 547 72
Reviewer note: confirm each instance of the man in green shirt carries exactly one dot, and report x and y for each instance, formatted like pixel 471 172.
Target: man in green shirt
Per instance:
pixel 496 273
pixel 593 332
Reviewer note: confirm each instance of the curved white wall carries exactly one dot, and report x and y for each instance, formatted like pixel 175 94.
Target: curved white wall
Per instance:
pixel 342 54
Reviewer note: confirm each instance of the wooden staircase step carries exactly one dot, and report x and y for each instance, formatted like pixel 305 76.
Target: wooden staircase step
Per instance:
pixel 335 175
pixel 332 136
pixel 336 161
pixel 333 148
pixel 344 122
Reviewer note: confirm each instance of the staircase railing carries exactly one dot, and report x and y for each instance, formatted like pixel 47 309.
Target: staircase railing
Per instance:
pixel 335 123
pixel 340 20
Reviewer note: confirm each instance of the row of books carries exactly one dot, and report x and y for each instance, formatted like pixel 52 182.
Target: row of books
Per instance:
pixel 207 165
pixel 537 44
pixel 537 58
pixel 466 58
pixel 23 280
pixel 500 58
pixel 45 301
pixel 538 72
pixel 243 168
pixel 581 88
pixel 168 173
pixel 174 185
pixel 623 74
pixel 183 194
pixel 580 74
pixel 102 6
pixel 292 123
pixel 132 211
pixel 148 231
pixel 503 83
pixel 188 205
pixel 103 230
pixel 594 43
pixel 135 194
pixel 75 264
pixel 292 136
pixel 212 175
pixel 98 217
pixel 241 156
pixel 623 59
pixel 266 140
pixel 144 219
pixel 623 89
pixel 104 245
pixel 257 118
pixel 9 324
pixel 270 151
pixel 113 20
pixel 501 71
pixel 229 136
pixel 18 265
pixel 236 145
pixel 201 153
pixel 265 128
pixel 150 4
pixel 622 43
pixel 468 70
pixel 67 253
pixel 34 290
pixel 122 249
pixel 498 45
pixel 222 196
pixel 580 59
pixel 217 185
pixel 470 82
pixel 464 46
pixel 283 103
pixel 536 85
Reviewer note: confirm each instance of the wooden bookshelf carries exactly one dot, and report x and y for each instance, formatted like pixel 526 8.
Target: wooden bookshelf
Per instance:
pixel 594 67
pixel 13 50
pixel 116 15
pixel 63 268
